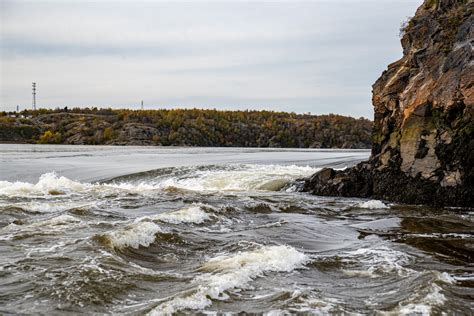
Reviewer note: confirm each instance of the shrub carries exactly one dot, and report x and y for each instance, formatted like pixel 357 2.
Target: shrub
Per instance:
pixel 50 137
pixel 108 133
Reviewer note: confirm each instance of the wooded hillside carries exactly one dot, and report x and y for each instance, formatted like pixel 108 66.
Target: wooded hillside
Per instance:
pixel 185 127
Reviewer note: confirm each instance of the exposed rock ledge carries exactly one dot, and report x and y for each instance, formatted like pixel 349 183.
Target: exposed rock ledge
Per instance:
pixel 423 144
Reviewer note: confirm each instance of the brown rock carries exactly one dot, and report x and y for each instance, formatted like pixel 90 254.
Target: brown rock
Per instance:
pixel 423 137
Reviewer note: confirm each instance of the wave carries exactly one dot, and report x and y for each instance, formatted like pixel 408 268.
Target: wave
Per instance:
pixel 211 178
pixel 135 235
pixel 441 235
pixel 376 262
pixel 47 226
pixel 423 305
pixel 44 206
pixel 54 221
pixel 247 177
pixel 372 204
pixel 58 220
pixel 309 302
pixel 193 214
pixel 48 184
pixel 228 272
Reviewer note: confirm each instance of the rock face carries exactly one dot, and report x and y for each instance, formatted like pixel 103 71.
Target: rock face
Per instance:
pixel 423 137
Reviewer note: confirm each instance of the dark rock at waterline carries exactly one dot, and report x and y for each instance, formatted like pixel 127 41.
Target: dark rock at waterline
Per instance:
pixel 392 185
pixel 423 137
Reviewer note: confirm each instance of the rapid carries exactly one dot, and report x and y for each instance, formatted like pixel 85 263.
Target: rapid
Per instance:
pixel 156 231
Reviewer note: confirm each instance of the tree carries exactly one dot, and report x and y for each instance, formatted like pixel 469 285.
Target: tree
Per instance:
pixel 50 138
pixel 108 133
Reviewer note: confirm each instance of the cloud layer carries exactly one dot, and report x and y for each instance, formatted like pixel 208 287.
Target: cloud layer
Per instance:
pixel 319 56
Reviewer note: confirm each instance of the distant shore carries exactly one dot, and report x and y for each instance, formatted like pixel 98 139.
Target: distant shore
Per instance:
pixel 184 127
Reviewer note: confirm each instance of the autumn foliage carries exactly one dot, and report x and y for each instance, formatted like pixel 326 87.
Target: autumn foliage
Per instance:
pixel 192 127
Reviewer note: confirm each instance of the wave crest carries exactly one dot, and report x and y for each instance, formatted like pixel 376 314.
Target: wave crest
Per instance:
pixel 211 178
pixel 233 271
pixel 247 177
pixel 136 235
pixel 190 215
pixel 372 204
pixel 48 184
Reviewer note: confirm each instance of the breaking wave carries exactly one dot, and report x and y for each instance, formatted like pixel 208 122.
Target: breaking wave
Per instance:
pixel 423 304
pixel 135 235
pixel 228 178
pixel 372 204
pixel 20 230
pixel 48 184
pixel 193 214
pixel 54 221
pixel 376 261
pixel 241 178
pixel 227 272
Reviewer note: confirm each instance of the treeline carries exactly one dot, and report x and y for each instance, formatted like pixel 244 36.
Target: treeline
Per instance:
pixel 185 127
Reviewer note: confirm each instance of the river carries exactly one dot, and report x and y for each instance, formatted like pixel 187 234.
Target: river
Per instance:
pixel 160 230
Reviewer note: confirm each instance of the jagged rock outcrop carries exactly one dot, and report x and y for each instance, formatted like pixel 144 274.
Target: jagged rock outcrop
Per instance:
pixel 423 144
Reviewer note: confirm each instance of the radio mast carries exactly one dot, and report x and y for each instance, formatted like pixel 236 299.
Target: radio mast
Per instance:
pixel 34 95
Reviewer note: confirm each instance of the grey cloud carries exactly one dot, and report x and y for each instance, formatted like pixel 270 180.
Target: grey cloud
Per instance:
pixel 316 56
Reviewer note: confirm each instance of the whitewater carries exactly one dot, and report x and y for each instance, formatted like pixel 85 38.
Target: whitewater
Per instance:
pixel 158 231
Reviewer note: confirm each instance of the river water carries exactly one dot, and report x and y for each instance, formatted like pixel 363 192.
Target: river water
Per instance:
pixel 146 230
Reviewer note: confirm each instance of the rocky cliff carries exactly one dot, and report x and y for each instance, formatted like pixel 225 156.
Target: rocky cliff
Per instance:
pixel 423 144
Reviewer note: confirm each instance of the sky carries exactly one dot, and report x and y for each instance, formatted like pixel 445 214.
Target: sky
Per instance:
pixel 312 56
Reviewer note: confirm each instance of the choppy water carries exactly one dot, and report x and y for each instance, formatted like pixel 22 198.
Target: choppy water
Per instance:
pixel 215 233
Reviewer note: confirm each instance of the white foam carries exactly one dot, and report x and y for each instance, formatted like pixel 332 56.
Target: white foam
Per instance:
pixel 49 223
pixel 52 225
pixel 232 178
pixel 136 235
pixel 58 220
pixel 445 277
pixel 376 261
pixel 433 298
pixel 382 260
pixel 463 277
pixel 372 204
pixel 190 215
pixel 233 271
pixel 305 301
pixel 275 312
pixel 138 188
pixel 48 184
pixel 53 206
pixel 240 178
pixel 318 306
pixel 442 235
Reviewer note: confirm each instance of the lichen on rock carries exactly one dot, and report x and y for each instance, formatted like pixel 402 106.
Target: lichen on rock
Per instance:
pixel 423 144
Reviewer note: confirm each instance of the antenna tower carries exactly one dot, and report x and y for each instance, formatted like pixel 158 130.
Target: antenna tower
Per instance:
pixel 34 95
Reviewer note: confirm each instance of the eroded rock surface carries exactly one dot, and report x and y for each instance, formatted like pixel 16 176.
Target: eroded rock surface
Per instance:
pixel 423 144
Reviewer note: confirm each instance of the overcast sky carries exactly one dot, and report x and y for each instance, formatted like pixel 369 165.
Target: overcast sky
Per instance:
pixel 313 56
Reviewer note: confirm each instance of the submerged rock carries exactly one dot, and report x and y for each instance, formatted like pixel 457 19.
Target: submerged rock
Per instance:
pixel 423 144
